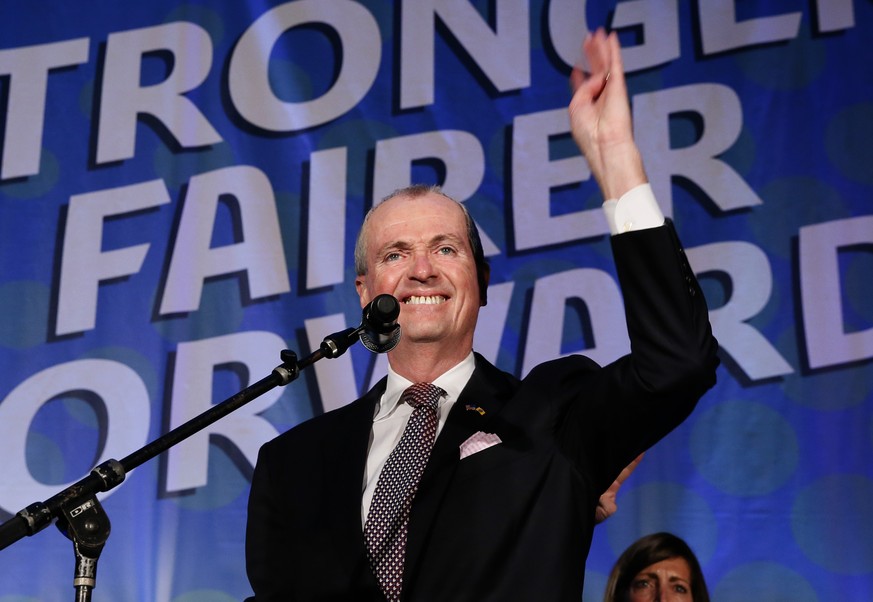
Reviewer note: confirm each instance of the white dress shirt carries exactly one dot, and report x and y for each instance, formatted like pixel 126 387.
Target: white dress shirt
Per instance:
pixel 391 417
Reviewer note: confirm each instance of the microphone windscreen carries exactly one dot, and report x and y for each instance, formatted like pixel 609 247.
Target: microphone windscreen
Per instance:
pixel 383 343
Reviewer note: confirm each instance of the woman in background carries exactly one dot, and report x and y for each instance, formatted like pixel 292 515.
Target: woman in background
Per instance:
pixel 658 567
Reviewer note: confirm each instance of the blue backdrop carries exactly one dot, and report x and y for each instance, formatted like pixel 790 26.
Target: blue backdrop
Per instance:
pixel 181 183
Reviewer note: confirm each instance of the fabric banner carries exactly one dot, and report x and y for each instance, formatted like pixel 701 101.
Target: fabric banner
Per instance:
pixel 181 184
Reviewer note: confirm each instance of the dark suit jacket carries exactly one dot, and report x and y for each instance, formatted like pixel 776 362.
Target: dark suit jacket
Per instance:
pixel 512 522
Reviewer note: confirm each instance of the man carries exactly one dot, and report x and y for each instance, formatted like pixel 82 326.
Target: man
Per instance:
pixel 503 505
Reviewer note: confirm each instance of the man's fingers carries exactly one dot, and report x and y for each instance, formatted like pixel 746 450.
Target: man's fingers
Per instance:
pixel 577 78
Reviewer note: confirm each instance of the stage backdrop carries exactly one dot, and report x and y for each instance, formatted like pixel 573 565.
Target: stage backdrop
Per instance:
pixel 181 184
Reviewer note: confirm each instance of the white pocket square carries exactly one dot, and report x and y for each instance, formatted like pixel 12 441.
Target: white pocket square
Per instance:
pixel 477 442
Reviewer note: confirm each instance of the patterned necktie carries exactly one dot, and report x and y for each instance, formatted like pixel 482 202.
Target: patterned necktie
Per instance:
pixel 385 528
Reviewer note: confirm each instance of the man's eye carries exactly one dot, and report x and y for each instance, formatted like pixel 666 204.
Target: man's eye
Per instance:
pixel 392 257
pixel 446 251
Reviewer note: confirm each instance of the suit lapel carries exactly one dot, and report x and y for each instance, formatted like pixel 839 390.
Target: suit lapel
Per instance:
pixel 488 390
pixel 345 463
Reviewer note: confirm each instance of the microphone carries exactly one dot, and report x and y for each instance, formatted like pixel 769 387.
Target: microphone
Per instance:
pixel 380 331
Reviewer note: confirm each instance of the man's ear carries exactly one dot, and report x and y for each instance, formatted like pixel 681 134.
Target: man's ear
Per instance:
pixel 484 279
pixel 361 288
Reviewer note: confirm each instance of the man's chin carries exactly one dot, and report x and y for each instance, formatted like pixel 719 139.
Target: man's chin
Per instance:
pixel 421 334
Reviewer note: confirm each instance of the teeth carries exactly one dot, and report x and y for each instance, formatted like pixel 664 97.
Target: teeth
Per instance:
pixel 415 300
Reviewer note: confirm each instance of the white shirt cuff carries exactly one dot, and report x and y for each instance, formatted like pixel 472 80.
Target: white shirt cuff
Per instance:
pixel 635 210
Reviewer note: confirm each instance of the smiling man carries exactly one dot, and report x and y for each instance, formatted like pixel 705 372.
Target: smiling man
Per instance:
pixel 422 247
pixel 451 480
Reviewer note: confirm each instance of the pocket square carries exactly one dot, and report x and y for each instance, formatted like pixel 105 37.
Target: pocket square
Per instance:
pixel 477 442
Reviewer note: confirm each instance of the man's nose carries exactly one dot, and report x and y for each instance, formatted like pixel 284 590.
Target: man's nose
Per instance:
pixel 422 268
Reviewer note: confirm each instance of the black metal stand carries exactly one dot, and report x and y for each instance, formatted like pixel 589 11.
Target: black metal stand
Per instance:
pixel 87 525
pixel 78 512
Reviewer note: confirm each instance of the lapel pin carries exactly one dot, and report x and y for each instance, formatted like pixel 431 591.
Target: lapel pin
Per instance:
pixel 476 409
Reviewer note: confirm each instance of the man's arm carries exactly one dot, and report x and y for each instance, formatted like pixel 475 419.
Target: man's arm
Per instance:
pixel 673 353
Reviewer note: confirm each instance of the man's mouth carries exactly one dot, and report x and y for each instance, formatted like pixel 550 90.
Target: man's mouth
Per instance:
pixel 430 300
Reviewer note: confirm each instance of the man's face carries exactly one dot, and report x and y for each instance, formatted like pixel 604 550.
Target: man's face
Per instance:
pixel 418 250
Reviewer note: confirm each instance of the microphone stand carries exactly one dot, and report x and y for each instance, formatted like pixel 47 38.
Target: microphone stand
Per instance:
pixel 78 512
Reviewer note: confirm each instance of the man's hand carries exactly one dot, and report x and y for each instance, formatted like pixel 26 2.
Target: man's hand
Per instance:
pixel 600 119
pixel 606 505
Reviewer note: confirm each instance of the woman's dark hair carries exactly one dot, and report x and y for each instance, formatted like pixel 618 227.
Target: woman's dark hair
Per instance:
pixel 646 551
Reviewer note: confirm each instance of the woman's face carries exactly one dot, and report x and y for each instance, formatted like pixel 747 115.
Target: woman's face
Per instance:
pixel 665 581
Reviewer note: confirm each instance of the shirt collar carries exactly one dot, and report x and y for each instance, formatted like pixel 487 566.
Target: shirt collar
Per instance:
pixel 452 382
